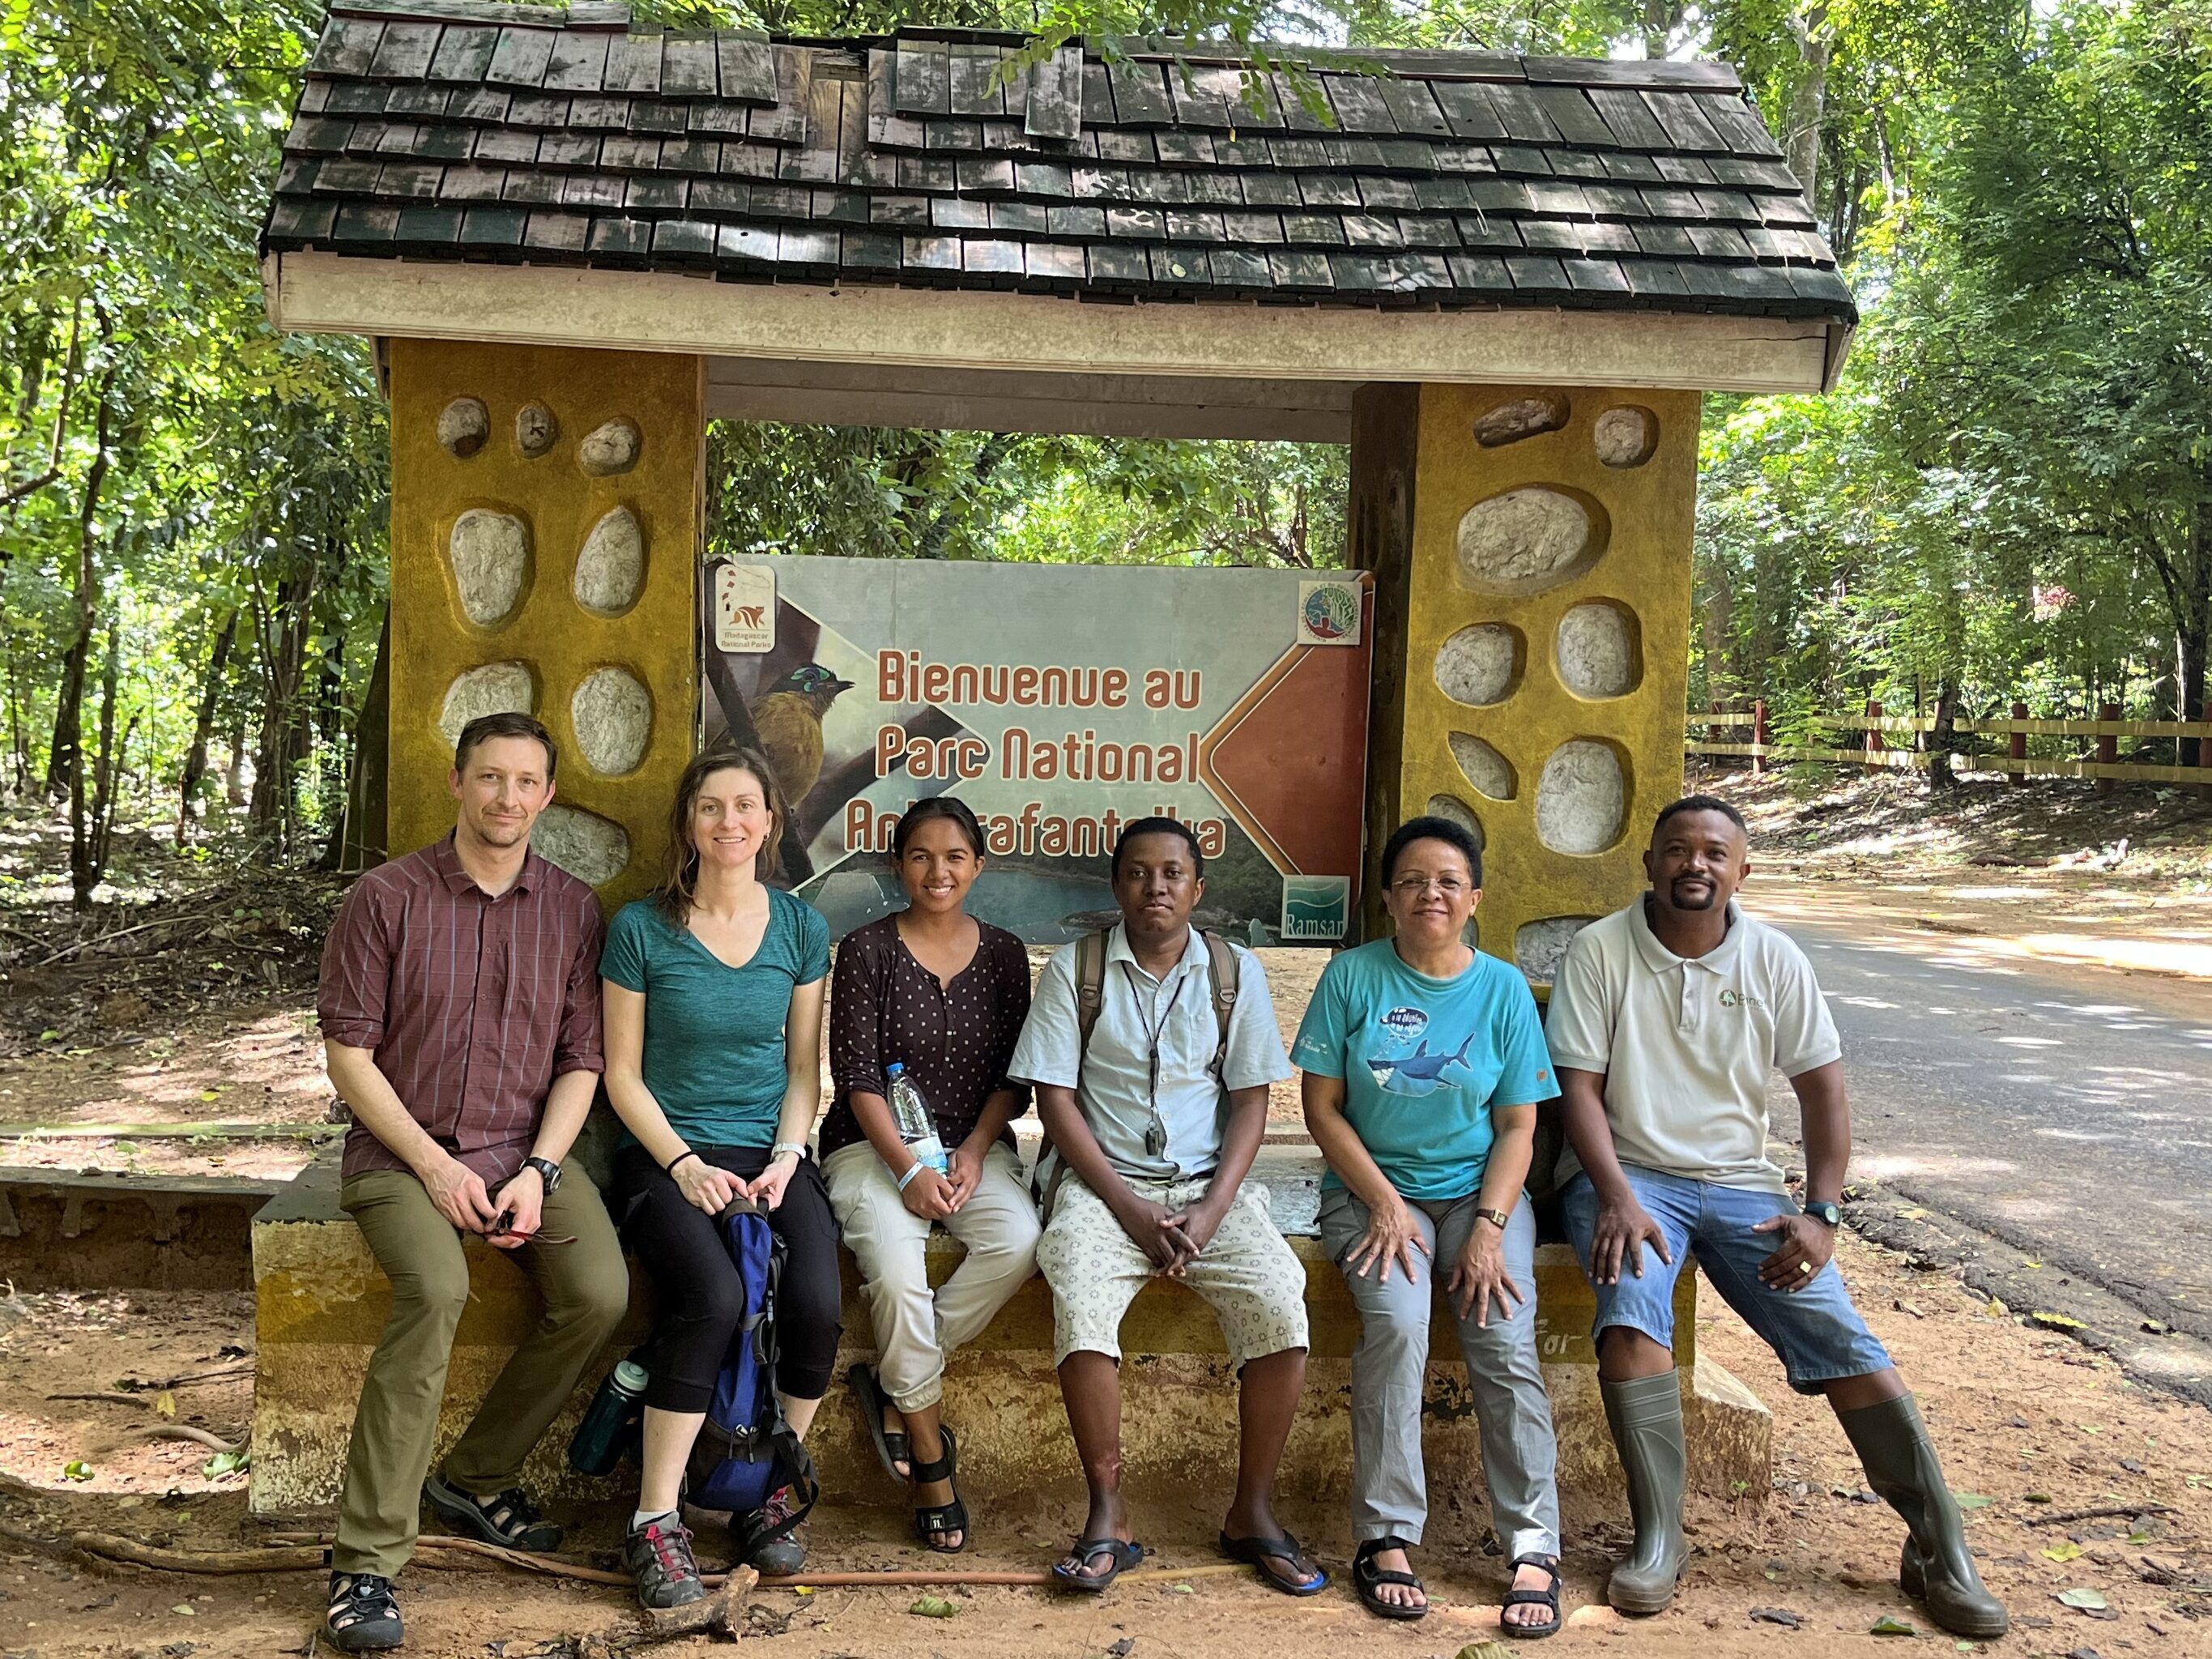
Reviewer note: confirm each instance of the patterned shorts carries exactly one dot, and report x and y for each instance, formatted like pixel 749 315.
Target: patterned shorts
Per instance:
pixel 1248 1274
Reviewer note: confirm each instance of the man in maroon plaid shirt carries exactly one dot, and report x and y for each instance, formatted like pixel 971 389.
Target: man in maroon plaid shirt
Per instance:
pixel 460 1012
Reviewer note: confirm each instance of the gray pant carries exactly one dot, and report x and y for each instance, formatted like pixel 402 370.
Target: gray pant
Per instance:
pixel 1389 1487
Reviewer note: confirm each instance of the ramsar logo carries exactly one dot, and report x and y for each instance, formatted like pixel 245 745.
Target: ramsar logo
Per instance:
pixel 1315 906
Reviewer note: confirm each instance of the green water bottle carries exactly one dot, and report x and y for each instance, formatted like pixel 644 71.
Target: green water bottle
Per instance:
pixel 610 1424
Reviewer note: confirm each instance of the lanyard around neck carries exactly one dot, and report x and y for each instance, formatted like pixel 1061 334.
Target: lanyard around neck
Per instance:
pixel 1155 1133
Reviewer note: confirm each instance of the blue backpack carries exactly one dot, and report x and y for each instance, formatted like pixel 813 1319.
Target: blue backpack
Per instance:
pixel 746 1451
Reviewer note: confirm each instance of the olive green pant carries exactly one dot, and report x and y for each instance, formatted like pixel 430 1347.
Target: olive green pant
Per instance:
pixel 585 1287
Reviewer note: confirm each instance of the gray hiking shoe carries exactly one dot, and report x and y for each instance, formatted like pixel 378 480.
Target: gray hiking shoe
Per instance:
pixel 660 1554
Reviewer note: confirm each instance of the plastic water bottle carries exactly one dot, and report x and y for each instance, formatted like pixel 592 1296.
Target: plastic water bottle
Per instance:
pixel 608 1427
pixel 915 1126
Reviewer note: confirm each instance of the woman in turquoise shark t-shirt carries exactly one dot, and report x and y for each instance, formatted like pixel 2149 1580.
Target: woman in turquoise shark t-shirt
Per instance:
pixel 1424 1063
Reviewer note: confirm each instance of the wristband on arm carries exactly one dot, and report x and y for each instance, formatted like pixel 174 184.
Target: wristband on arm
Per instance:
pixel 912 1170
pixel 669 1168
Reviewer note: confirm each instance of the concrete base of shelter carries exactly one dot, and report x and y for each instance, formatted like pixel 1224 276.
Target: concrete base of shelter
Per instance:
pixel 320 1303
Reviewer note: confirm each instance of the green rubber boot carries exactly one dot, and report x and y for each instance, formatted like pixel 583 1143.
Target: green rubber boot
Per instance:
pixel 1645 1414
pixel 1938 1569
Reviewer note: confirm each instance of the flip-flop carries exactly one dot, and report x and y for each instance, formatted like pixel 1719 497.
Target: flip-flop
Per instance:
pixel 1126 1553
pixel 1529 1598
pixel 890 1446
pixel 1367 1579
pixel 1258 1551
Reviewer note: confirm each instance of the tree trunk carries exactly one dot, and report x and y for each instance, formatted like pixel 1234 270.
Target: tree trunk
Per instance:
pixel 88 828
pixel 1809 104
pixel 1943 741
pixel 63 754
pixel 233 775
pixel 360 842
pixel 284 728
pixel 204 726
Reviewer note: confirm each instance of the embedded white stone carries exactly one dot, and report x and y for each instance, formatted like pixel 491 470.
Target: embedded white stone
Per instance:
pixel 1538 947
pixel 535 429
pixel 611 568
pixel 1489 772
pixel 609 448
pixel 588 846
pixel 1625 436
pixel 1479 664
pixel 1524 417
pixel 1596 652
pixel 490 553
pixel 1454 810
pixel 1580 798
pixel 497 688
pixel 613 715
pixel 1523 541
pixel 463 426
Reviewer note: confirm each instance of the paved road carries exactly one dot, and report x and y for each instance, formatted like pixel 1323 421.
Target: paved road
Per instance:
pixel 2066 1110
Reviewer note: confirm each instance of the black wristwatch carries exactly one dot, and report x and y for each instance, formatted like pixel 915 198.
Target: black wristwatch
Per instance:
pixel 548 1171
pixel 1830 1213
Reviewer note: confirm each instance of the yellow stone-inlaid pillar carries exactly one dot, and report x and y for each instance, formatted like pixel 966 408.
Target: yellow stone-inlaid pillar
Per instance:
pixel 546 523
pixel 1532 552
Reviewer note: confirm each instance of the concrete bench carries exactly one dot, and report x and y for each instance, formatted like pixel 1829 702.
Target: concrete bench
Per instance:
pixel 321 1303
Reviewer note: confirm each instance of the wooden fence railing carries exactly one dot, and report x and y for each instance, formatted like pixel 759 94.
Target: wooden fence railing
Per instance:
pixel 1874 753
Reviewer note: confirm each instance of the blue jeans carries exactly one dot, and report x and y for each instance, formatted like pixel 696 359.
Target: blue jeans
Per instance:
pixel 1815 1331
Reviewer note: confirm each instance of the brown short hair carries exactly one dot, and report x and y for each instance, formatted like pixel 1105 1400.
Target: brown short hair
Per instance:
pixel 484 727
pixel 679 878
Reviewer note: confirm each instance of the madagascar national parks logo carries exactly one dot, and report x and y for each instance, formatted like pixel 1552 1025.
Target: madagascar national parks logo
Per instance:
pixel 1328 613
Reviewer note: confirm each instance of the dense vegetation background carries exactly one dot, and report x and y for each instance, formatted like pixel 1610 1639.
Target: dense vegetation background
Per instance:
pixel 2010 497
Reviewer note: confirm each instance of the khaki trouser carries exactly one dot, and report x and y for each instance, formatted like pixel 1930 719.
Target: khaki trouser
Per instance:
pixel 585 1289
pixel 915 1326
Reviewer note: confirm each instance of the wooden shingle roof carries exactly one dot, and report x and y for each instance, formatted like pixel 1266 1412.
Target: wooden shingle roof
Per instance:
pixel 454 130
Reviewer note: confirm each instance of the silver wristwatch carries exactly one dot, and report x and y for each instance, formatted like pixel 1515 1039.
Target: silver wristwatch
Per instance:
pixel 548 1171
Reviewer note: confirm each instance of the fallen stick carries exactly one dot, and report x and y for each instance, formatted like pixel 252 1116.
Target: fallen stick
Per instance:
pixel 2106 1513
pixel 186 1432
pixel 107 1399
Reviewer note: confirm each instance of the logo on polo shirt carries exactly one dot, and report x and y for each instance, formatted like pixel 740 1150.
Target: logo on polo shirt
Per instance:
pixel 1732 998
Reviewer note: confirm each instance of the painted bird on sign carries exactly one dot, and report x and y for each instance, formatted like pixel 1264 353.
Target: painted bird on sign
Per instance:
pixel 788 717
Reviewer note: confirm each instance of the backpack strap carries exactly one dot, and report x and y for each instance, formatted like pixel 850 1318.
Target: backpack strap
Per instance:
pixel 1089 998
pixel 1221 958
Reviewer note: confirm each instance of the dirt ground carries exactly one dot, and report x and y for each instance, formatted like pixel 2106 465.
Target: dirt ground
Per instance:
pixel 2027 1420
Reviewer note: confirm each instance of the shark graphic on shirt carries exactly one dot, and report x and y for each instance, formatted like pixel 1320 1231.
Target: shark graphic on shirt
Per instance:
pixel 1419 1072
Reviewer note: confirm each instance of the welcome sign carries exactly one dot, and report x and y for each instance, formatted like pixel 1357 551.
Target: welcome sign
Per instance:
pixel 1060 703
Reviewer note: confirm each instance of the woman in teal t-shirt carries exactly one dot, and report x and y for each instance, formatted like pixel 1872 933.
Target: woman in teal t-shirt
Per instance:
pixel 1424 1063
pixel 713 1036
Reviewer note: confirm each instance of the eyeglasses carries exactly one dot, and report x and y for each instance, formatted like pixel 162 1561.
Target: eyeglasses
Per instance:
pixel 1413 886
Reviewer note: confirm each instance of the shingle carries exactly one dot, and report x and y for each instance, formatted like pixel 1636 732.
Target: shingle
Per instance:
pixel 1596 277
pixel 1380 194
pixel 1500 196
pixel 922 79
pixel 358 98
pixel 1360 106
pixel 1130 145
pixel 1488 230
pixel 319 136
pixel 487 104
pixel 421 99
pixel 347 46
pixel 301 222
pixel 1466 109
pixel 411 180
pixel 406 52
pixel 591 189
pixel 1372 230
pixel 956 213
pixel 1412 105
pixel 747 66
pixel 463 55
pixel 1187 225
pixel 691 154
pixel 1043 178
pixel 929 172
pixel 1609 236
pixel 1727 207
pixel 684 241
pixel 1299 115
pixel 558 232
pixel 620 240
pixel 1553 233
pixel 1574 163
pixel 953 134
pixel 521 58
pixel 1788 212
pixel 1719 242
pixel 494 227
pixel 1054 107
pixel 313 96
pixel 1183 148
pixel 578 62
pixel 1665 241
pixel 785 123
pixel 1628 118
pixel 1682 116
pixel 687 67
pixel 721 196
pixel 1271 189
pixel 569 149
pixel 781 201
pixel 634 64
pixel 1407 154
pixel 807 247
pixel 1442 195
pixel 1328 190
pixel 1018 218
pixel 1821 288
pixel 744 245
pixel 1239 268
pixel 1205 94
pixel 867 250
pixel 1477 273
pixel 524 186
pixel 1313 229
pixel 1522 161
pixel 1140 94
pixel 1181 266
pixel 347 178
pixel 810 166
pixel 660 192
pixel 1243 151
pixel 983 173
pixel 359 221
pixel 976 84
pixel 1572 116
pixel 1636 169
pixel 1007 136
pixel 1654 279
pixel 1353 154
pixel 991 256
pixel 1616 201
pixel 1051 262
pixel 1086 224
pixel 1558 199
pixel 297 175
pixel 1098 95
pixel 1534 273
pixel 1148 224
pixel 1684 170
pixel 1294 270
pixel 1426 230
pixel 1247 229
pixel 1116 265
pixel 1743 131
pixel 538 109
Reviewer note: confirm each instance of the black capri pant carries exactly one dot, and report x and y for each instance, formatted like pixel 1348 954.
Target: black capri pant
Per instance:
pixel 697 1298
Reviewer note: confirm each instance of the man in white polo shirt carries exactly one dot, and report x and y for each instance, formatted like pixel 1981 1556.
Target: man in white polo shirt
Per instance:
pixel 1665 1022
